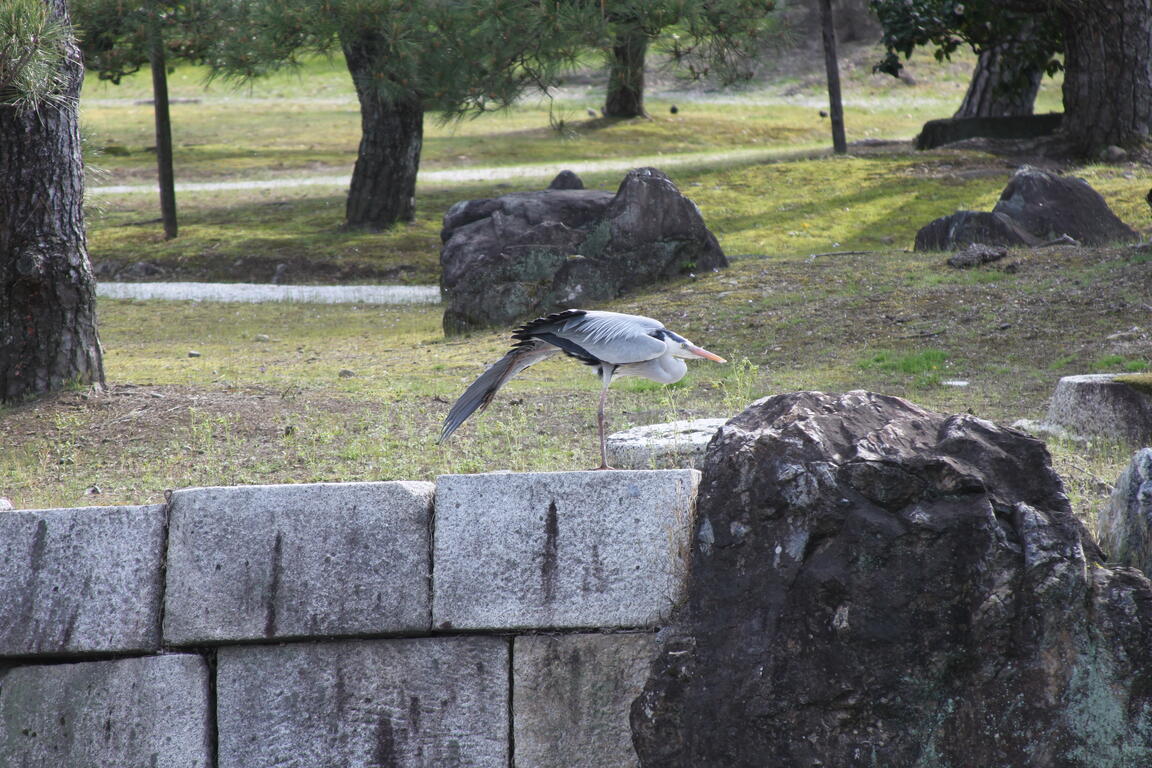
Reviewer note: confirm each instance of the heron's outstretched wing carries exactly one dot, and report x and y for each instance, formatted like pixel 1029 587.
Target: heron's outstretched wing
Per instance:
pixel 480 393
pixel 603 337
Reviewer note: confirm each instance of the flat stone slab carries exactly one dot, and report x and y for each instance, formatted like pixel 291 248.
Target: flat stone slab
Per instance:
pixel 76 581
pixel 572 695
pixel 284 561
pixel 150 711
pixel 561 549
pixel 673 445
pixel 428 702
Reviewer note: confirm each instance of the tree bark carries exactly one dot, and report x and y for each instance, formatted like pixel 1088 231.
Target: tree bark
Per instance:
pixel 625 96
pixel 1000 87
pixel 383 189
pixel 1108 73
pixel 48 336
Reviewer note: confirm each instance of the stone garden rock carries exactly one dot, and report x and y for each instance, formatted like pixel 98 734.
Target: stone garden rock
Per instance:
pixel 1049 206
pixel 1104 406
pixel 965 228
pixel 674 445
pixel 530 253
pixel 1035 207
pixel 76 581
pixel 152 711
pixel 874 583
pixel 1125 523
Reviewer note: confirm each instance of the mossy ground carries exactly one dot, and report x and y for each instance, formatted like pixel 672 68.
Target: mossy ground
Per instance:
pixel 822 294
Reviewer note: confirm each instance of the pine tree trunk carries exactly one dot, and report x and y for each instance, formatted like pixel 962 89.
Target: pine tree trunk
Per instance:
pixel 999 88
pixel 625 97
pixel 1108 74
pixel 48 333
pixel 383 190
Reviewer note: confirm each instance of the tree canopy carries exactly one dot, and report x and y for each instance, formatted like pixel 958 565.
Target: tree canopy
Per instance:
pixel 117 36
pixel 1035 38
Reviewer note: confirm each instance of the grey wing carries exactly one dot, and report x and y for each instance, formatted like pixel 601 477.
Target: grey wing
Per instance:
pixel 614 337
pixel 480 392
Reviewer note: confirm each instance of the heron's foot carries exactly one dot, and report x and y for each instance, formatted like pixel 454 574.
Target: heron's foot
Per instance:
pixel 603 466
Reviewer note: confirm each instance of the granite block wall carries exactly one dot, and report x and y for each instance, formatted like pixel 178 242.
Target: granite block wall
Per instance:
pixel 484 620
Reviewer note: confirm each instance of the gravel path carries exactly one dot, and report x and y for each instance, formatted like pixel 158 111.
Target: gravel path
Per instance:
pixel 259 292
pixel 463 175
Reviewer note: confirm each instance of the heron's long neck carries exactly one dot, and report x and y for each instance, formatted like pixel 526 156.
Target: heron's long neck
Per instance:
pixel 665 369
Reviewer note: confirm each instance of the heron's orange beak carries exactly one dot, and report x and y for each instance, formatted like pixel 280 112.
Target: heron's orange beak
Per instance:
pixel 701 352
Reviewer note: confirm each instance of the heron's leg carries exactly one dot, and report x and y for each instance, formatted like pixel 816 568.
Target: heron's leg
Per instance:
pixel 606 373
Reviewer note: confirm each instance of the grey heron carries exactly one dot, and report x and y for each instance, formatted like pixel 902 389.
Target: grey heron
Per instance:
pixel 615 344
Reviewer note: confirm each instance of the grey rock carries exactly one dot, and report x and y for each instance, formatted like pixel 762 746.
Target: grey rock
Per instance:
pixel 528 254
pixel 1114 154
pixel 976 255
pixel 560 549
pixel 434 702
pixel 874 583
pixel 150 711
pixel 1049 206
pixel 674 445
pixel 75 581
pixel 571 697
pixel 965 228
pixel 567 180
pixel 1124 526
pixel 284 561
pixel 1102 406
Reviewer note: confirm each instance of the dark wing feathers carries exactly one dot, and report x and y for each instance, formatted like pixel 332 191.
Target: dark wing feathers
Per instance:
pixel 480 393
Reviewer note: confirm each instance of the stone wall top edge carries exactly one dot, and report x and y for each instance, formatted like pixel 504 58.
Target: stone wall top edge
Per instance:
pixel 415 485
pixel 582 473
pixel 94 509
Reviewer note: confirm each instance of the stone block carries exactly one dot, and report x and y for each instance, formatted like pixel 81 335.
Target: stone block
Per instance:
pixel 286 561
pixel 561 549
pixel 75 581
pixel 663 446
pixel 406 703
pixel 150 711
pixel 572 695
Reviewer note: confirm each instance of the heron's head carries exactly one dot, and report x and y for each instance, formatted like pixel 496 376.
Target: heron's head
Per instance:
pixel 679 346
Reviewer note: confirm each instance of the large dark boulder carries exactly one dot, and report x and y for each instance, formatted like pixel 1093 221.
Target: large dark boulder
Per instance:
pixel 1050 206
pixel 965 228
pixel 874 583
pixel 532 253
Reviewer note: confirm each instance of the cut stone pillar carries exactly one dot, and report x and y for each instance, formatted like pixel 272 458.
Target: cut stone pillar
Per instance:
pixel 77 581
pixel 675 445
pixel 561 549
pixel 283 561
pixel 1109 406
